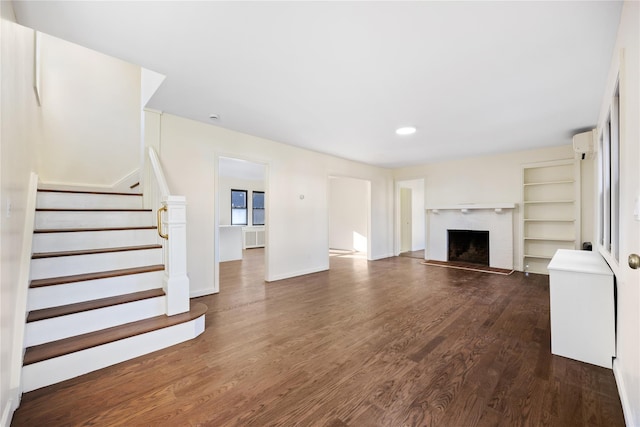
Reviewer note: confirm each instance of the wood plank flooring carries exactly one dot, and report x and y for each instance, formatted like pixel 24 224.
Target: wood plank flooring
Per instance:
pixel 385 343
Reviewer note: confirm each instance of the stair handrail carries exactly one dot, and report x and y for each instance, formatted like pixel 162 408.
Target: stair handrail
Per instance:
pixel 158 173
pixel 174 239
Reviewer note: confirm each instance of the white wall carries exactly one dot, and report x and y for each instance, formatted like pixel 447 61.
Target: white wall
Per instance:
pixel 225 185
pixel 297 237
pixel 90 116
pixel 418 219
pixel 20 126
pixel 348 214
pixel 496 178
pixel 626 366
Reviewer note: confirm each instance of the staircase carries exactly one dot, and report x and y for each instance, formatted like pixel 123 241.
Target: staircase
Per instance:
pixel 96 294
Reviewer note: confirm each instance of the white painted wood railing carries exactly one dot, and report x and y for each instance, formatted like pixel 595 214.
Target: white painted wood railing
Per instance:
pixel 172 222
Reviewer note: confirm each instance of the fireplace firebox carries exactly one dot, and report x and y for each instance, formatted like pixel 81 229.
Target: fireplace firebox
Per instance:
pixel 471 246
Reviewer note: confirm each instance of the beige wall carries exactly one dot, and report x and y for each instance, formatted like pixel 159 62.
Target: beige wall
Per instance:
pixel 489 179
pixel 90 116
pixel 348 214
pixel 297 228
pixel 20 128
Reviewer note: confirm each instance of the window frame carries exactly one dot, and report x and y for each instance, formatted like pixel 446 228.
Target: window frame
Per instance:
pixel 245 208
pixel 609 179
pixel 253 208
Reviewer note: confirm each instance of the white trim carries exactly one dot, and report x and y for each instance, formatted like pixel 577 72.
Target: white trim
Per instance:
pixel 624 399
pixel 464 207
pixel 124 184
pixel 297 273
pixel 202 293
pixel 12 404
pixel 382 256
pixel 22 292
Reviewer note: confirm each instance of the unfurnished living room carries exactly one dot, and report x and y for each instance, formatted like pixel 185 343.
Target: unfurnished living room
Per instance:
pixel 301 213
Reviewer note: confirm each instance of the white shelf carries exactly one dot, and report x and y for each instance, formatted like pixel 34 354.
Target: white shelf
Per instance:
pixel 550 218
pixel 548 183
pixel 551 239
pixel 547 201
pixel 538 256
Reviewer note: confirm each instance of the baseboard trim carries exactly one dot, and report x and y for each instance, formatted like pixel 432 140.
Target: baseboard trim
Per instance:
pixel 283 276
pixel 10 407
pixel 624 399
pixel 202 293
pixel 381 256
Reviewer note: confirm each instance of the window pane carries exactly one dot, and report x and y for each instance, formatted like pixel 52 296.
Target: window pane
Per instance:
pixel 258 217
pixel 258 200
pixel 238 217
pixel 238 199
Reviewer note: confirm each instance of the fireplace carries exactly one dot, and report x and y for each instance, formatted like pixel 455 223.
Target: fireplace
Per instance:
pixel 471 246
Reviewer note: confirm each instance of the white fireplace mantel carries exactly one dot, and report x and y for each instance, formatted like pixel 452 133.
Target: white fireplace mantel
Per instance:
pixel 498 207
pixel 497 218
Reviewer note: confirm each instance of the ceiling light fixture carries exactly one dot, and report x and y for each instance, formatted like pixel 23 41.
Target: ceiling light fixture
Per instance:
pixel 407 130
pixel 214 116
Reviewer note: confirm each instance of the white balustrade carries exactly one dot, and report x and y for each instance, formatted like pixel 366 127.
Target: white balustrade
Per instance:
pixel 173 224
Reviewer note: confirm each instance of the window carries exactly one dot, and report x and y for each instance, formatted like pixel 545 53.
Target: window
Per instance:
pixel 238 207
pixel 257 210
pixel 609 173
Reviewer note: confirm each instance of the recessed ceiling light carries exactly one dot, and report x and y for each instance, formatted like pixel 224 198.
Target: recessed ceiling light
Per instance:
pixel 214 116
pixel 407 130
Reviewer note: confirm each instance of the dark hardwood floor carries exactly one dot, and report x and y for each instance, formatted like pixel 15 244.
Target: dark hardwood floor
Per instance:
pixel 385 343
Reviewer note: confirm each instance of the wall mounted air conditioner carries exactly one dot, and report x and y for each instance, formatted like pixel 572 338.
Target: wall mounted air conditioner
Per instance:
pixel 584 144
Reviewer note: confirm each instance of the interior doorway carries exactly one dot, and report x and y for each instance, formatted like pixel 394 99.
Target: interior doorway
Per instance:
pixel 349 217
pixel 406 243
pixel 241 216
pixel 410 235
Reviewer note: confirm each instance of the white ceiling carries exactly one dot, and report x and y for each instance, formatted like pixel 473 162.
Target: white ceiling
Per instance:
pixel 338 77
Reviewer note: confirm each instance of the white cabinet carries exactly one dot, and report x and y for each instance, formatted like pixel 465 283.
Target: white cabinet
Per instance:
pixel 582 307
pixel 551 211
pixel 230 243
pixel 253 237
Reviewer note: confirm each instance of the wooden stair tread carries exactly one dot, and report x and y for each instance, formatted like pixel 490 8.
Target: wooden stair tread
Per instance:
pixel 58 348
pixel 73 230
pixel 51 281
pixel 63 310
pixel 45 190
pixel 92 210
pixel 40 255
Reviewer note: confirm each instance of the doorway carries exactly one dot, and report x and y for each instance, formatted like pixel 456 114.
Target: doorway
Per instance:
pixel 410 219
pixel 349 217
pixel 241 218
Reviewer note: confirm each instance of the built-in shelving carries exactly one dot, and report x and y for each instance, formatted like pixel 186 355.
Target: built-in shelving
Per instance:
pixel 551 208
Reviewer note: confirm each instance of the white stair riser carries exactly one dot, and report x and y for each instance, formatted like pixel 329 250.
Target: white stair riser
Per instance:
pixel 73 241
pixel 87 219
pixel 70 293
pixel 58 328
pixel 49 200
pixel 43 268
pixel 65 367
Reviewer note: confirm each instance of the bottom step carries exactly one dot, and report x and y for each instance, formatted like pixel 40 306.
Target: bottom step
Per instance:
pixel 57 361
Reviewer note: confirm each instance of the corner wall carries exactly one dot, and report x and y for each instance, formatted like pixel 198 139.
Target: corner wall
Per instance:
pixel 90 116
pixel 20 126
pixel 487 179
pixel 297 228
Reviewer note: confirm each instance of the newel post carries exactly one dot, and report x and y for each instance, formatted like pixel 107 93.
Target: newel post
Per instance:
pixel 175 282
